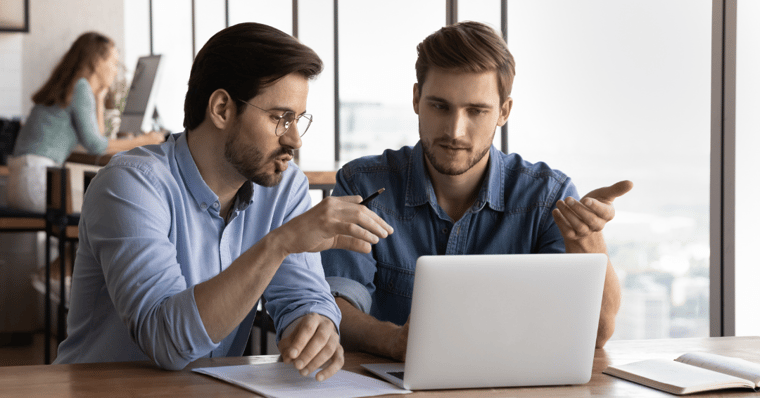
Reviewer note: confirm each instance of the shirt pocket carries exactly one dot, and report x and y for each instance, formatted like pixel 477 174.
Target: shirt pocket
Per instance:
pixel 394 280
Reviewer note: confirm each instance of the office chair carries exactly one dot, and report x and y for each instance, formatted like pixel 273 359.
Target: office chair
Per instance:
pixel 62 223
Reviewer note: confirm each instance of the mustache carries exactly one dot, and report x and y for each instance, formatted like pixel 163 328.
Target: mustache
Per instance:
pixel 283 151
pixel 451 143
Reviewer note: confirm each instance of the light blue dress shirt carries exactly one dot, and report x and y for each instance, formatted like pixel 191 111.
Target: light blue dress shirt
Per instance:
pixel 150 231
pixel 511 215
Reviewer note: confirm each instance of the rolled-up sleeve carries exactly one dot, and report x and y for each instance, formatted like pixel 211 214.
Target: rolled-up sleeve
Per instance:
pixel 299 287
pixel 127 231
pixel 350 274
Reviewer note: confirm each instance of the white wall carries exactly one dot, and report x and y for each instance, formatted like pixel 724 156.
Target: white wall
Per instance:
pixel 26 59
pixel 10 70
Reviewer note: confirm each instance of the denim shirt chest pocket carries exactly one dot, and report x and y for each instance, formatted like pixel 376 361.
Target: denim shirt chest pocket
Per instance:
pixel 394 280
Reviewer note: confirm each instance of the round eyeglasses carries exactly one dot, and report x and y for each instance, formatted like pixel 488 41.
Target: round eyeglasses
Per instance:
pixel 285 120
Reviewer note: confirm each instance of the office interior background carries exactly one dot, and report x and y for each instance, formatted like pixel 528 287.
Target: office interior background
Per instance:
pixel 662 92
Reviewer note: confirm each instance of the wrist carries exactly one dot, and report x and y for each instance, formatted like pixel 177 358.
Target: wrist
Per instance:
pixel 395 345
pixel 274 242
pixel 592 243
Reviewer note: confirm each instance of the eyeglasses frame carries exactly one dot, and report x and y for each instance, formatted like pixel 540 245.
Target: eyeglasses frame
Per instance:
pixel 281 117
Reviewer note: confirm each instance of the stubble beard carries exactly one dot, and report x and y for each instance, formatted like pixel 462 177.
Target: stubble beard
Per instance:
pixel 449 169
pixel 250 162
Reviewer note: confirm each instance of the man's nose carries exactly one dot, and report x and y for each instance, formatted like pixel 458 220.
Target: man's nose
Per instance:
pixel 458 124
pixel 292 137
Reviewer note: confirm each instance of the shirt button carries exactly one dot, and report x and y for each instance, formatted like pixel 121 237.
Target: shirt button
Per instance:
pixel 445 230
pixel 204 206
pixel 216 205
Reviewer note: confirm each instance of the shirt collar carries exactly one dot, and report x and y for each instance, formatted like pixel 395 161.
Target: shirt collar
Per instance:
pixel 419 189
pixel 203 195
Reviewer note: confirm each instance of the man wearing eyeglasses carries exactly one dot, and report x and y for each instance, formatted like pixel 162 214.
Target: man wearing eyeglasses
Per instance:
pixel 178 241
pixel 455 193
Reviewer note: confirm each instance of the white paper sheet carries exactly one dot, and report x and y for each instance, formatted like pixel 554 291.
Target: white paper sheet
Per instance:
pixel 283 380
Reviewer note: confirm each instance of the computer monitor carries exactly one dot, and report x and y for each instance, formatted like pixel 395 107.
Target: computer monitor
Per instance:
pixel 140 110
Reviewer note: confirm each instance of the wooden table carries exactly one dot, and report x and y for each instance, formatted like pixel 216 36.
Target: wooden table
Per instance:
pixel 143 379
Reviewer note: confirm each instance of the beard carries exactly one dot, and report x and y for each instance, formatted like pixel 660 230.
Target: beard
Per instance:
pixel 446 167
pixel 251 162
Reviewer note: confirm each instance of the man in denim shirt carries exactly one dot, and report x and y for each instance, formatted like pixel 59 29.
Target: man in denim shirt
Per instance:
pixel 178 241
pixel 455 193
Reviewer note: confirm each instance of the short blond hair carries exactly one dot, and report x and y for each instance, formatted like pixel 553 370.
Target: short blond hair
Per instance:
pixel 467 47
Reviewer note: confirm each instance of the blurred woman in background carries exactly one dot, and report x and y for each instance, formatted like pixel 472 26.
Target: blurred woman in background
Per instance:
pixel 68 110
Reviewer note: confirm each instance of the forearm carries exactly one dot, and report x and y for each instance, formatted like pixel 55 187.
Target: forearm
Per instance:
pixel 124 144
pixel 610 306
pixel 611 296
pixel 225 300
pixel 363 332
pixel 100 112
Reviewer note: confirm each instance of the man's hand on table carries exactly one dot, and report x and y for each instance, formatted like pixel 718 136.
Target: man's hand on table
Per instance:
pixel 311 342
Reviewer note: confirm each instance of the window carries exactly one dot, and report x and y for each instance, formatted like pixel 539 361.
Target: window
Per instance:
pixel 315 29
pixel 604 91
pixel 747 144
pixel 377 72
pixel 607 91
pixel 172 38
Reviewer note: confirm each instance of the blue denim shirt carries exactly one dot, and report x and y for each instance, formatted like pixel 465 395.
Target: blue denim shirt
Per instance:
pixel 150 231
pixel 511 215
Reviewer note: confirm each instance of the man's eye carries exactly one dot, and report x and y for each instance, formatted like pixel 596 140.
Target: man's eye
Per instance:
pixel 439 106
pixel 477 112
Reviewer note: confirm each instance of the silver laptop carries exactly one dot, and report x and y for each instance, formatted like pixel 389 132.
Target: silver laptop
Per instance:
pixel 501 321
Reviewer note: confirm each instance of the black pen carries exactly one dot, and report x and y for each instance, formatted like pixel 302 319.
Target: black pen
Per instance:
pixel 373 196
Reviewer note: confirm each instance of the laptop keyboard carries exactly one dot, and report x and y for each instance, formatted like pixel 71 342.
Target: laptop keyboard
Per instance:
pixel 398 375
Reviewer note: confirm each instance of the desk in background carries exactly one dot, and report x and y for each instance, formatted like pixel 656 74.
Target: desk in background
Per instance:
pixel 318 180
pixel 144 379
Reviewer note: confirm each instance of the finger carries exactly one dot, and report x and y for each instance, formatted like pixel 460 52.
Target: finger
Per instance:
pixel 370 221
pixel 372 217
pixel 300 339
pixel 591 212
pixel 348 198
pixel 608 194
pixel 564 226
pixel 349 211
pixel 605 211
pixel 319 339
pixel 352 236
pixel 576 224
pixel 288 353
pixel 324 355
pixel 352 244
pixel 333 366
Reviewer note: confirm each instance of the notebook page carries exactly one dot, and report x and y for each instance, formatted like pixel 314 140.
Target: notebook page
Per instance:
pixel 729 365
pixel 674 377
pixel 283 380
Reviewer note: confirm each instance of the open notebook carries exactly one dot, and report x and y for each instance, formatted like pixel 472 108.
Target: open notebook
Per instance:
pixel 690 373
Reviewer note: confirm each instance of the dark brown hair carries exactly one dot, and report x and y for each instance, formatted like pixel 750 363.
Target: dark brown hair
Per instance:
pixel 242 59
pixel 467 47
pixel 79 61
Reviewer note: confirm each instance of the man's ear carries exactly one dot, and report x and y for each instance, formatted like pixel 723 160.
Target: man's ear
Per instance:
pixel 221 107
pixel 504 111
pixel 416 99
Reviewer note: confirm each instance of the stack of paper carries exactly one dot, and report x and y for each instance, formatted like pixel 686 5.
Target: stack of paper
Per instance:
pixel 283 380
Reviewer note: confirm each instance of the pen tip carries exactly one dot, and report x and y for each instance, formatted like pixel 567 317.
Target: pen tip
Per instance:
pixel 380 190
